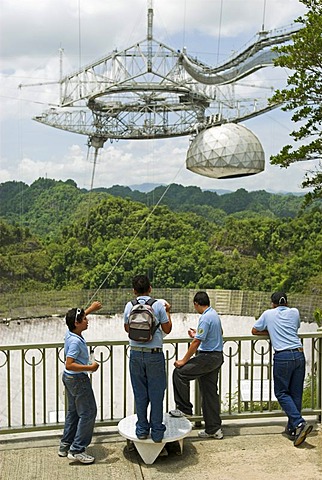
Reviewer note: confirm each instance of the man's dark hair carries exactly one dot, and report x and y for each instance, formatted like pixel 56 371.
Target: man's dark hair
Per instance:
pixel 279 298
pixel 72 315
pixel 141 284
pixel 201 298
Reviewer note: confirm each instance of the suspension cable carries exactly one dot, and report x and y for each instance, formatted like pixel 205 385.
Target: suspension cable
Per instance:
pixel 92 183
pixel 184 25
pixel 219 33
pixel 134 238
pixel 264 14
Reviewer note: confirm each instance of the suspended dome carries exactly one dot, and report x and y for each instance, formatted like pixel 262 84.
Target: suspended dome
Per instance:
pixel 227 151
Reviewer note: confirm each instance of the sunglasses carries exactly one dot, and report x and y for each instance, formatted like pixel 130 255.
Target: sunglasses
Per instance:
pixel 78 312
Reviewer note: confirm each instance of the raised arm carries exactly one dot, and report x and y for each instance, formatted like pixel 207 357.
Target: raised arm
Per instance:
pixel 167 327
pixel 93 307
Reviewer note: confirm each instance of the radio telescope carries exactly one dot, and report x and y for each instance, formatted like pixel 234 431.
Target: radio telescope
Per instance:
pixel 152 91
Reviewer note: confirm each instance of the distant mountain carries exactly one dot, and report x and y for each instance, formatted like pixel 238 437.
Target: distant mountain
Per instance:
pixel 146 187
pixel 284 192
pixel 149 187
pixel 218 191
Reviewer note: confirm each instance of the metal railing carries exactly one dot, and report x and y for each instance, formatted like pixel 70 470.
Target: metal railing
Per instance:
pixel 33 399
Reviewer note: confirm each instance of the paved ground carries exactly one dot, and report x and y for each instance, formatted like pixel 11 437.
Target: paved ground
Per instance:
pixel 252 452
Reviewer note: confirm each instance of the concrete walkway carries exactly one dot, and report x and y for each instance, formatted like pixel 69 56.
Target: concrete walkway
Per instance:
pixel 256 451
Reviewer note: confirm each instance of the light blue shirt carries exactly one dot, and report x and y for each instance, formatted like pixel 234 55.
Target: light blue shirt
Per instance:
pixel 161 317
pixel 209 331
pixel 282 324
pixel 76 348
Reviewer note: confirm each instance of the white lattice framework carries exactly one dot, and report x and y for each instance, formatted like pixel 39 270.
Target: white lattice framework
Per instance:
pixel 150 90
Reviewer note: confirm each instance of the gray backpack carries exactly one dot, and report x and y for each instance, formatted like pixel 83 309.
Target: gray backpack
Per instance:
pixel 142 321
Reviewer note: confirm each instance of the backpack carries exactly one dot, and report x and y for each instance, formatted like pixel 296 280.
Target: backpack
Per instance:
pixel 142 321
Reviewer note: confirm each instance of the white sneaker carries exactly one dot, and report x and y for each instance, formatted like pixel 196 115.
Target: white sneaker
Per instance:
pixel 218 435
pixel 81 457
pixel 177 413
pixel 62 453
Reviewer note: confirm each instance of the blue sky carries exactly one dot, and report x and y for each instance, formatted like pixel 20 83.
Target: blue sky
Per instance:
pixel 32 33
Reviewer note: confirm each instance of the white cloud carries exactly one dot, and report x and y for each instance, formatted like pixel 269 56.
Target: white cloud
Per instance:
pixel 32 33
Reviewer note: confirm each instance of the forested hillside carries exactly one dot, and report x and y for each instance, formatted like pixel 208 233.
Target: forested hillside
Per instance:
pixel 56 236
pixel 47 204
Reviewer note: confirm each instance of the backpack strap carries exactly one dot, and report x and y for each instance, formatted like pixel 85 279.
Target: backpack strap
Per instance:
pixel 150 301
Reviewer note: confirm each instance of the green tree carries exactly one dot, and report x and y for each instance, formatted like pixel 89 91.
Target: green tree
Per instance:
pixel 303 95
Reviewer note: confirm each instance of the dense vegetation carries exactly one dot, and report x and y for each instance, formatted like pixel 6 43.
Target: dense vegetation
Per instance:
pixel 56 236
pixel 303 95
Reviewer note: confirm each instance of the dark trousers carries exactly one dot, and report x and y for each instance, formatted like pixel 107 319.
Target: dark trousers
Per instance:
pixel 204 367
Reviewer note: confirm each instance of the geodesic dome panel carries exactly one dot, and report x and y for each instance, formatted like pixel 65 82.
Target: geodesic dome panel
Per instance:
pixel 226 151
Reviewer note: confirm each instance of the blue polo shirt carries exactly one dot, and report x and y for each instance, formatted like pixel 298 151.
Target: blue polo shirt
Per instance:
pixel 209 331
pixel 282 324
pixel 76 348
pixel 161 317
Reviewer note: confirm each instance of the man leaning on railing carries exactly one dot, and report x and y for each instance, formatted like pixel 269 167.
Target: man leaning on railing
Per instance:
pixel 281 323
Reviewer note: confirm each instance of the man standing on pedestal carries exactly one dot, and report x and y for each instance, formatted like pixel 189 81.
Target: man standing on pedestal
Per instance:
pixel 147 364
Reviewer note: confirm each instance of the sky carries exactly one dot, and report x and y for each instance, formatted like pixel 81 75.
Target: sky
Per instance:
pixel 33 32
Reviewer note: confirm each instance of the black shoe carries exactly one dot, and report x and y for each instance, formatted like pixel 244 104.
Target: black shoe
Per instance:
pixel 130 445
pixel 142 437
pixel 290 433
pixel 178 413
pixel 302 431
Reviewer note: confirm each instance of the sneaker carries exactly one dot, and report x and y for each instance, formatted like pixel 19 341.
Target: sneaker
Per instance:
pixel 142 436
pixel 81 457
pixel 301 432
pixel 290 433
pixel 62 453
pixel 218 435
pixel 178 413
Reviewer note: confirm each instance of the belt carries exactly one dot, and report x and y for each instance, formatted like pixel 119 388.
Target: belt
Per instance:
pixel 298 349
pixel 147 350
pixel 208 351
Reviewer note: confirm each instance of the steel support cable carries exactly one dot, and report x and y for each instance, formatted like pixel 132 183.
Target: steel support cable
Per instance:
pixel 79 36
pixel 264 14
pixel 219 32
pixel 184 25
pixel 21 191
pixel 134 238
pixel 92 183
pixel 152 174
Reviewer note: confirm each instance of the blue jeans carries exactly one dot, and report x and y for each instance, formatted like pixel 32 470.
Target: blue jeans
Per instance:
pixel 81 414
pixel 148 380
pixel 289 373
